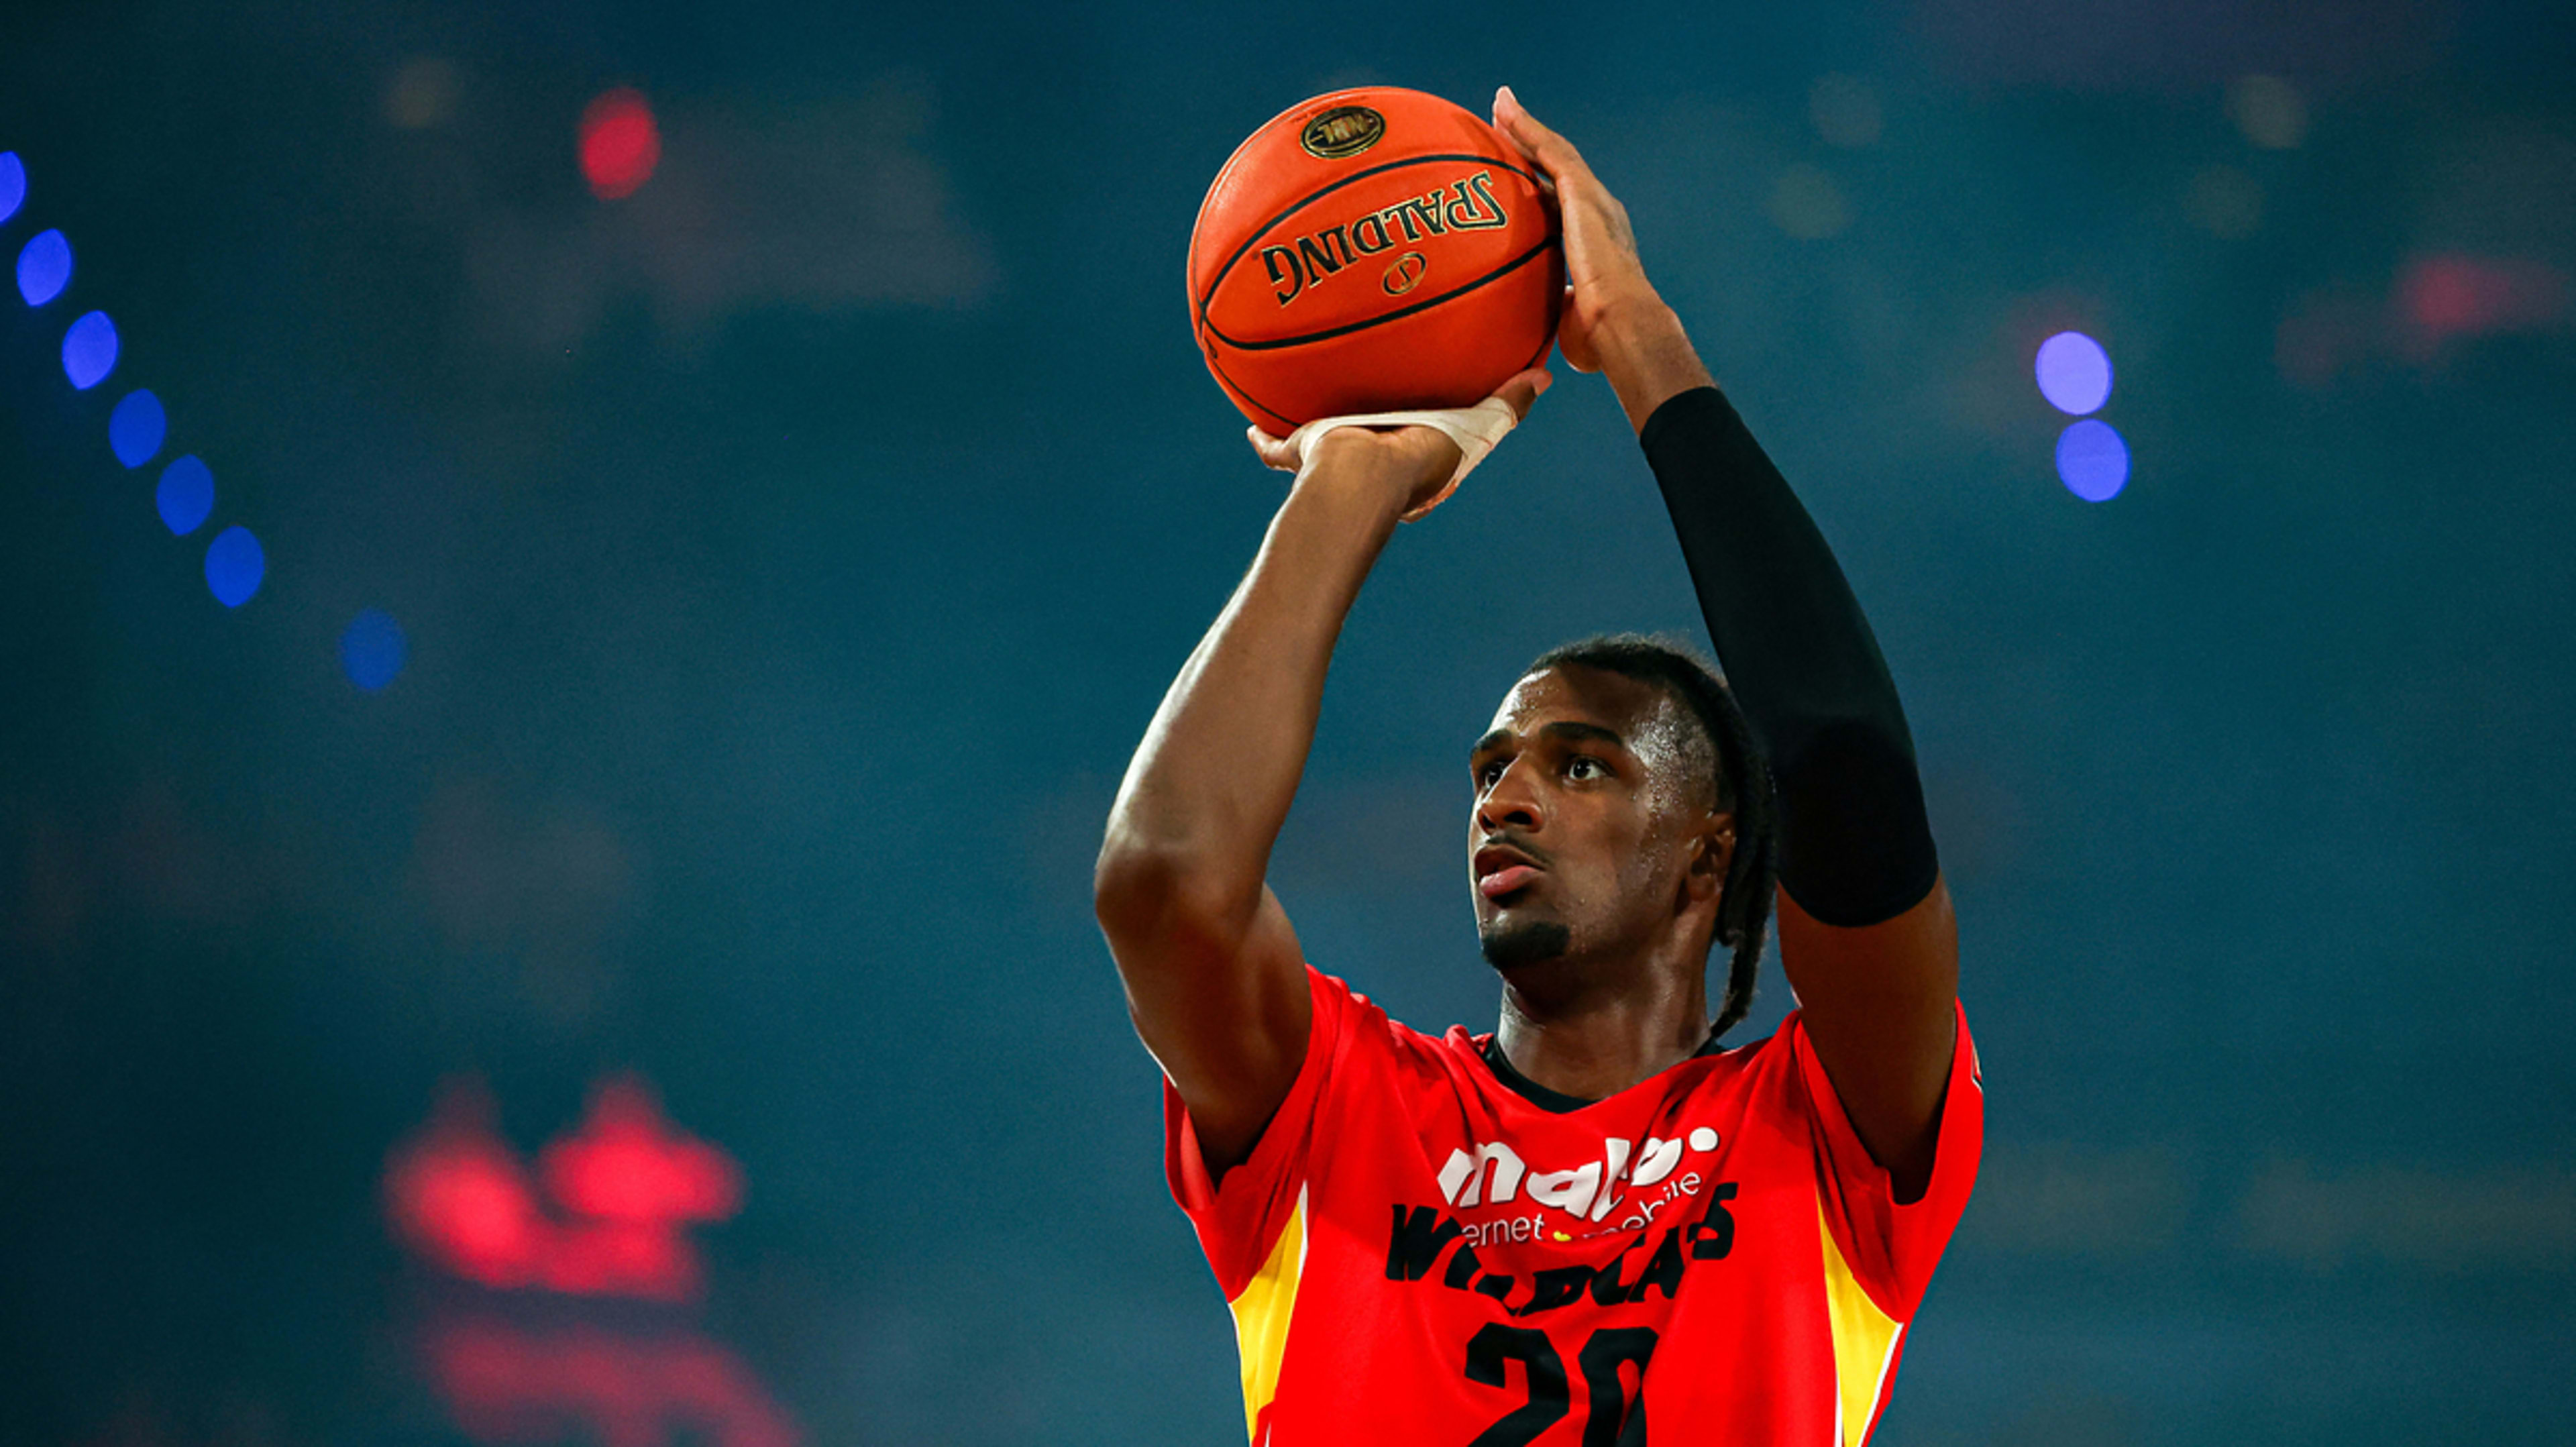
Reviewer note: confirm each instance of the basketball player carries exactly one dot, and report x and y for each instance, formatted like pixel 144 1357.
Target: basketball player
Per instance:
pixel 1594 1225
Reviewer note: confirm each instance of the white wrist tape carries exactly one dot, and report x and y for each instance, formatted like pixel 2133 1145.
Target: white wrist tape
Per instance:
pixel 1475 429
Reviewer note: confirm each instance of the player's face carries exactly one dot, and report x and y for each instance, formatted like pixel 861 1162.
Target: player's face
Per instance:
pixel 1588 812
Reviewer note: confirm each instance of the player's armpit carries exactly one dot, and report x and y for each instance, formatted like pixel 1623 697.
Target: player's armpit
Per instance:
pixel 1880 1005
pixel 1226 1016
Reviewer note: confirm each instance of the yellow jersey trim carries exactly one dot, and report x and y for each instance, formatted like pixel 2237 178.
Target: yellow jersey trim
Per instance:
pixel 1864 1342
pixel 1261 1313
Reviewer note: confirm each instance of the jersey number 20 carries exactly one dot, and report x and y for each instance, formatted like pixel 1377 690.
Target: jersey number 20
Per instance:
pixel 1608 1422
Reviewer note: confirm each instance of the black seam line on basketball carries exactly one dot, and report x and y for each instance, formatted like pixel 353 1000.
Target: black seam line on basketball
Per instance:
pixel 1506 269
pixel 1238 389
pixel 1311 197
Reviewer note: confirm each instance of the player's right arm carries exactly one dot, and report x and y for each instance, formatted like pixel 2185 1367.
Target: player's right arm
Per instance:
pixel 1215 982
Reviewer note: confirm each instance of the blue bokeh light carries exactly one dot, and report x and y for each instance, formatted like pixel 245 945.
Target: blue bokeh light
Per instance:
pixel 2092 460
pixel 186 494
pixel 44 267
pixel 2074 373
pixel 136 428
pixel 235 566
pixel 89 350
pixel 373 650
pixel 13 183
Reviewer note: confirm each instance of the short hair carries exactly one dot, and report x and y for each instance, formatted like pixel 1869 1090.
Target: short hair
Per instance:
pixel 1743 787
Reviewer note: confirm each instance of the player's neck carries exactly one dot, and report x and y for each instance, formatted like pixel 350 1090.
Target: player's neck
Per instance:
pixel 1591 1033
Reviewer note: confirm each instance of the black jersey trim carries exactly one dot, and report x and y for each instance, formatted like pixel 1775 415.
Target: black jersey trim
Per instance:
pixel 1556 1102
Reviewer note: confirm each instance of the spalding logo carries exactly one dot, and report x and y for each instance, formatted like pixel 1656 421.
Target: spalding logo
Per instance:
pixel 1466 205
pixel 1342 131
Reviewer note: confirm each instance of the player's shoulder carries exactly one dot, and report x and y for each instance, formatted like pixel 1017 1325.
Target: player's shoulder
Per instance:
pixel 1370 1042
pixel 1761 1070
pixel 1363 1023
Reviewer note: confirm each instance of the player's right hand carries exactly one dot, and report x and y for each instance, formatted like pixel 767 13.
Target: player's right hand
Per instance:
pixel 1418 464
pixel 1602 272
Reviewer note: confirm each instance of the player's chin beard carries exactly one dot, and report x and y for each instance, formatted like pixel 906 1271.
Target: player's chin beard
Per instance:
pixel 1508 947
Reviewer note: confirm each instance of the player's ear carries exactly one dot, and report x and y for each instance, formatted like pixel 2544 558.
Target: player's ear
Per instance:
pixel 1712 851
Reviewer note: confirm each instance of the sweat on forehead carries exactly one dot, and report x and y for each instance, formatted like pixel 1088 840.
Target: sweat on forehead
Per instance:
pixel 1646 718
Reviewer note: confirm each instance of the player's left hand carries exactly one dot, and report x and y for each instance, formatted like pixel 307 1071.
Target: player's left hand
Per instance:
pixel 1602 272
pixel 1423 460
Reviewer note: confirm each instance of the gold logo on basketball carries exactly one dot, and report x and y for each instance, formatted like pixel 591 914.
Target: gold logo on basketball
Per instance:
pixel 1405 275
pixel 1342 131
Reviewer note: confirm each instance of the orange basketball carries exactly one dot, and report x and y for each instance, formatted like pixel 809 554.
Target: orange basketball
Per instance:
pixel 1372 250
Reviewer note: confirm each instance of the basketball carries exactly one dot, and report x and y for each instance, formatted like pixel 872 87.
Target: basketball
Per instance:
pixel 1368 251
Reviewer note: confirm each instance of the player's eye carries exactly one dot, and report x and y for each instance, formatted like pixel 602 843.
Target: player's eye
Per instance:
pixel 1488 772
pixel 1584 766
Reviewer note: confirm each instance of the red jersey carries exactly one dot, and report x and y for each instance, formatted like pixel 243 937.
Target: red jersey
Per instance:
pixel 1419 1256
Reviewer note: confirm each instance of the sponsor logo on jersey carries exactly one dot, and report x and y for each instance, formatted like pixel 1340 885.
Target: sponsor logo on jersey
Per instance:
pixel 1463 205
pixel 1494 1174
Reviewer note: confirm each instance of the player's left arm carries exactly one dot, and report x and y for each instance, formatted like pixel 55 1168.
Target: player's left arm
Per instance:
pixel 1866 933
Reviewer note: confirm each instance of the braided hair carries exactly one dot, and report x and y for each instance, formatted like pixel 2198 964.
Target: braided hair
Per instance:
pixel 1743 787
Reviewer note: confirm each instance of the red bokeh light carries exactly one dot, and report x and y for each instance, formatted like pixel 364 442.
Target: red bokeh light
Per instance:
pixel 625 1186
pixel 510 1384
pixel 604 1214
pixel 620 145
pixel 2448 295
pixel 461 1198
pixel 2437 302
pixel 628 1164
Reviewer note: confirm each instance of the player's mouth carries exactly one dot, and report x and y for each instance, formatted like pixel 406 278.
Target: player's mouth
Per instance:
pixel 1502 870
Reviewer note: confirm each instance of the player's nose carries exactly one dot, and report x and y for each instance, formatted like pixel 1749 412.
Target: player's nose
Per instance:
pixel 1510 803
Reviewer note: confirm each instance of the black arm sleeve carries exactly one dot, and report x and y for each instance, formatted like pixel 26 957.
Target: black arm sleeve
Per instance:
pixel 1855 847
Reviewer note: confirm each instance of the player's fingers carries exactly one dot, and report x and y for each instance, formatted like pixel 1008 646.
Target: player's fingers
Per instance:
pixel 1523 389
pixel 1446 453
pixel 1572 342
pixel 1273 451
pixel 1554 153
